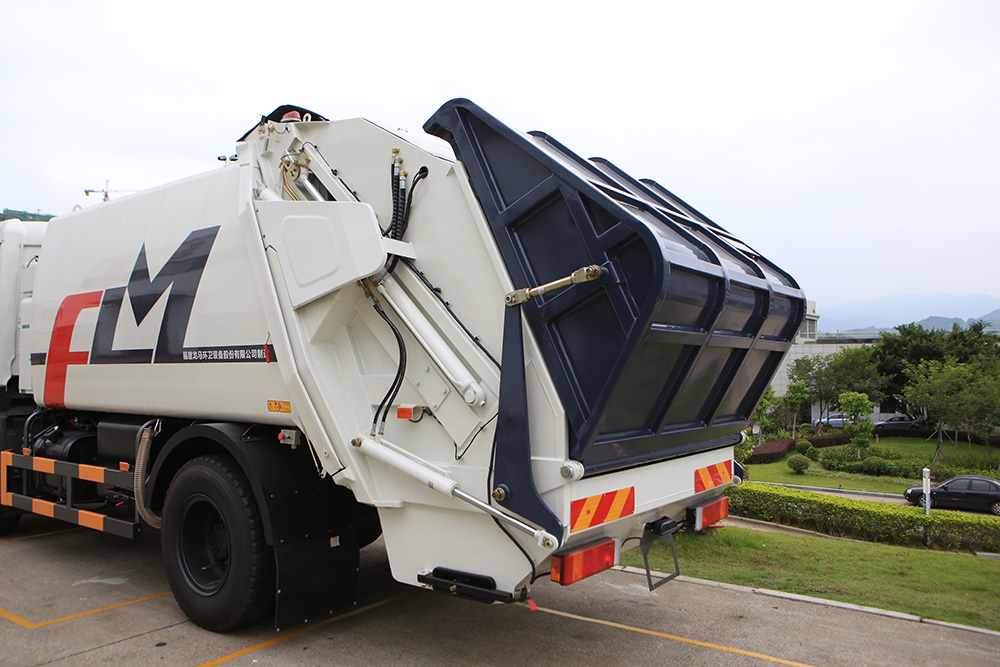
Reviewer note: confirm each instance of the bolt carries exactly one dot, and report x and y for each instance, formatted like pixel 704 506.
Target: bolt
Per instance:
pixel 566 471
pixel 499 494
pixel 547 543
pixel 356 442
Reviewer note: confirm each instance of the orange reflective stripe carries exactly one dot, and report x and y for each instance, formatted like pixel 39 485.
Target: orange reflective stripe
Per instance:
pixel 602 508
pixel 90 519
pixel 719 474
pixel 91 473
pixel 5 460
pixel 705 480
pixel 621 497
pixel 712 476
pixel 39 464
pixel 586 513
pixel 43 507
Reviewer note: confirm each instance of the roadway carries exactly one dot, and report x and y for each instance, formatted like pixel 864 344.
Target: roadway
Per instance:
pixel 70 596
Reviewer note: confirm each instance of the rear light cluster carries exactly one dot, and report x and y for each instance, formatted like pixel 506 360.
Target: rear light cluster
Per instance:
pixel 710 513
pixel 576 565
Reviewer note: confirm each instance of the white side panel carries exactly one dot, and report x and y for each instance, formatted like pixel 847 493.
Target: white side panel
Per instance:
pixel 168 320
pixel 322 245
pixel 18 240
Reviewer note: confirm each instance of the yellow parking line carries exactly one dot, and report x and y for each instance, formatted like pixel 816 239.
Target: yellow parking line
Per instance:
pixel 10 616
pixel 24 623
pixel 676 638
pixel 301 631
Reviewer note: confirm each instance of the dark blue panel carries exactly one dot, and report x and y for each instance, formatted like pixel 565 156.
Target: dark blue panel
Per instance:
pixel 667 354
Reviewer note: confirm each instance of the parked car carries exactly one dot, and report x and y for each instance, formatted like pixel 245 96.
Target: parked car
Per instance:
pixel 896 422
pixel 966 492
pixel 836 420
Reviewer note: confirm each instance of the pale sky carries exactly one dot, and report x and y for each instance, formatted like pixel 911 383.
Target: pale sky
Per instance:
pixel 854 144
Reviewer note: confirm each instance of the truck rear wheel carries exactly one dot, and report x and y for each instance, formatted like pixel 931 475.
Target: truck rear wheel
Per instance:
pixel 219 567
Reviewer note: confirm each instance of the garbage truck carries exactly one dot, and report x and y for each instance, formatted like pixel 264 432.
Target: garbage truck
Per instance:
pixel 508 361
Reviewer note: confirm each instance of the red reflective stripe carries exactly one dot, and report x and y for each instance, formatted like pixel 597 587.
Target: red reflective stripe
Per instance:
pixel 702 480
pixel 601 514
pixel 59 356
pixel 717 477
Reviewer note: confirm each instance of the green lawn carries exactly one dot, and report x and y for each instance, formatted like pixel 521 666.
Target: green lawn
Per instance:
pixel 932 584
pixel 925 448
pixel 780 473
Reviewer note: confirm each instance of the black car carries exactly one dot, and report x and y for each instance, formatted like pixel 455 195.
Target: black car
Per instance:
pixel 895 422
pixel 966 492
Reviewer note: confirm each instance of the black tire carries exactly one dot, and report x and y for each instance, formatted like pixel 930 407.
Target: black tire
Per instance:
pixel 220 569
pixel 8 519
pixel 920 500
pixel 995 508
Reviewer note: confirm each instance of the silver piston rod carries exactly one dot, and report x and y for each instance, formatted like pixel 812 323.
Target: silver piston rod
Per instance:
pixel 425 473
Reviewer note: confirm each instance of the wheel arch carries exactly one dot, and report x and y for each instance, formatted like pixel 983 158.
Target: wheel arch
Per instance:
pixel 211 438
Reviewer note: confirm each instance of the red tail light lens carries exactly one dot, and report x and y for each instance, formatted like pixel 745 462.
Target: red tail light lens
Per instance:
pixel 711 513
pixel 576 565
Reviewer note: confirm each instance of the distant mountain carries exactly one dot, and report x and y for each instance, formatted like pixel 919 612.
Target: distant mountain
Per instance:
pixel 946 323
pixel 890 311
pixel 993 318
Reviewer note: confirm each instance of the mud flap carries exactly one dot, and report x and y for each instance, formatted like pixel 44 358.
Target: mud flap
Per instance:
pixel 316 578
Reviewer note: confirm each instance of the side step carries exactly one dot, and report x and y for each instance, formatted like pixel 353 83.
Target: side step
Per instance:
pixel 465 585
pixel 65 511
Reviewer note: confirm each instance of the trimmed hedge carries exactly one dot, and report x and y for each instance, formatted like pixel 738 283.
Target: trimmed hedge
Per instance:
pixel 798 462
pixel 775 450
pixel 895 464
pixel 866 520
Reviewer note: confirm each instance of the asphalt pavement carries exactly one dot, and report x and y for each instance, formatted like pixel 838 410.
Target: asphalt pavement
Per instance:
pixel 71 596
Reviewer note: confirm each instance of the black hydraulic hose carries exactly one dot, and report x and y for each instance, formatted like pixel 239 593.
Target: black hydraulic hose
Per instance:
pixel 388 231
pixel 27 428
pixel 397 382
pixel 421 174
pixel 400 206
pixel 405 215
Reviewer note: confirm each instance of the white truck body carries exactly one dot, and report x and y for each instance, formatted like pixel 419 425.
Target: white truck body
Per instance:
pixel 245 295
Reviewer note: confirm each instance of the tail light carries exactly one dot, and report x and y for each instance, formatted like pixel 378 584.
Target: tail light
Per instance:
pixel 710 513
pixel 571 567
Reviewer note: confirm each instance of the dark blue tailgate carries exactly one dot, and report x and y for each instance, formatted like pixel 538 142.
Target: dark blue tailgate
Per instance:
pixel 670 352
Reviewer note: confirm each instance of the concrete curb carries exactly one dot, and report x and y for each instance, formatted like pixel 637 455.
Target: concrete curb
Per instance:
pixel 826 490
pixel 757 524
pixel 811 600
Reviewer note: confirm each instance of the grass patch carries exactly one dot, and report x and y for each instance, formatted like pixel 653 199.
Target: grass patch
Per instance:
pixel 780 473
pixel 925 448
pixel 939 585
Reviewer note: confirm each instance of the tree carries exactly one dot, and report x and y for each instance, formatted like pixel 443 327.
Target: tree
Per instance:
pixel 977 403
pixel 760 419
pixel 896 352
pixel 813 371
pixel 795 400
pixel 858 407
pixel 973 344
pixel 854 369
pixel 935 387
